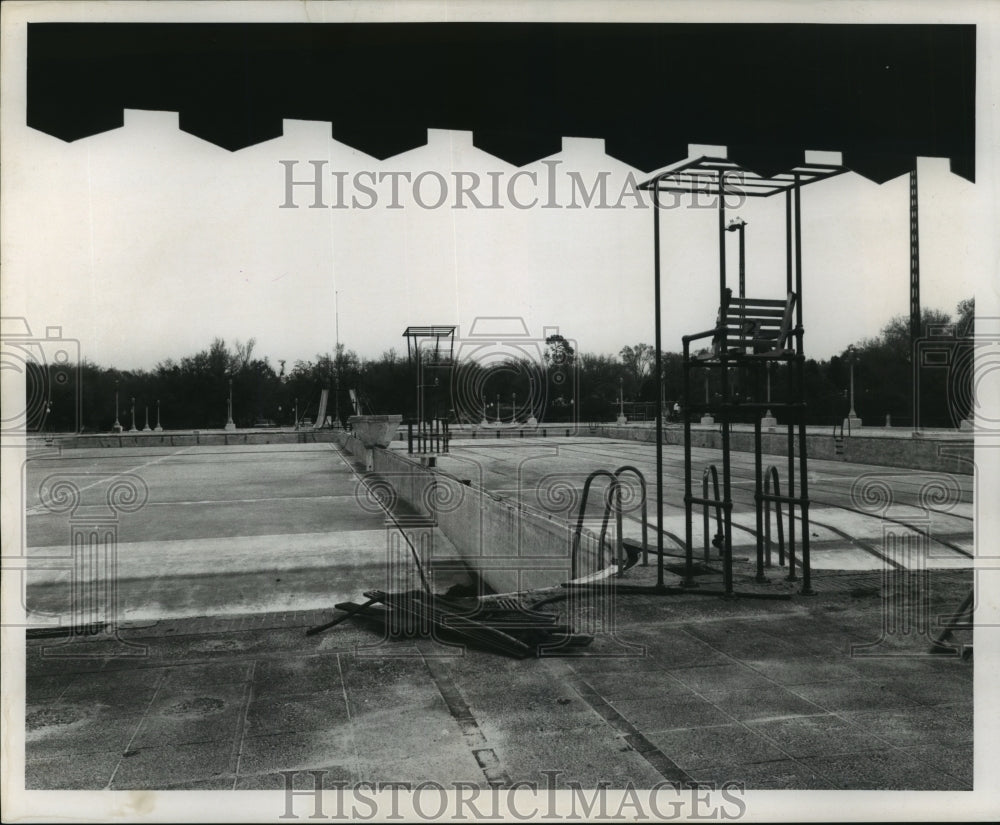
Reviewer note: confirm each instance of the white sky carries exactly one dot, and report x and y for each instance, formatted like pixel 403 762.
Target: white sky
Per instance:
pixel 146 242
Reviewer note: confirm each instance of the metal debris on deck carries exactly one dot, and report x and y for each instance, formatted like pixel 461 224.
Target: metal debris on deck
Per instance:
pixel 501 625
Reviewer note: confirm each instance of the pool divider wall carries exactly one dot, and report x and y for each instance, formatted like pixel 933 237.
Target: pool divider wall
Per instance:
pixel 188 438
pixel 947 454
pixel 510 546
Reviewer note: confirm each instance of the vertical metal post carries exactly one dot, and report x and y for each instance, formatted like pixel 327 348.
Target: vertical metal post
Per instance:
pixel 704 514
pixel 803 483
pixel 727 498
pixel 659 402
pixel 798 262
pixel 791 474
pixel 727 502
pixel 722 239
pixel 758 497
pixel 743 271
pixel 800 396
pixel 688 514
pixel 788 240
pixel 914 292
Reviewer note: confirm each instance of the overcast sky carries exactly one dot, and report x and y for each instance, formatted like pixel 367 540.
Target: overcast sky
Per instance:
pixel 145 243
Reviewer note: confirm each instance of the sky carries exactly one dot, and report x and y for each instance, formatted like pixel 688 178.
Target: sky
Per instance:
pixel 146 242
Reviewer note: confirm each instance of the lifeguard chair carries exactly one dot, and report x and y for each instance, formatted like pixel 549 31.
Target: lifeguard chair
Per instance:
pixel 752 338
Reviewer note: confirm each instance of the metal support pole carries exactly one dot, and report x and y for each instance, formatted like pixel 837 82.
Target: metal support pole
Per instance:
pixel 793 416
pixel 722 239
pixel 727 501
pixel 798 261
pixel 727 495
pixel 799 397
pixel 758 501
pixel 743 272
pixel 788 240
pixel 803 483
pixel 688 504
pixel 658 361
pixel 914 291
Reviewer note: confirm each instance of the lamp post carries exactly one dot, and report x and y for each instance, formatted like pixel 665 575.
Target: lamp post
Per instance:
pixel 133 429
pixel 738 225
pixel 768 421
pixel 147 428
pixel 158 428
pixel 513 408
pixel 706 417
pixel 116 427
pixel 621 400
pixel 852 422
pixel 498 409
pixel 229 408
pixel 482 399
pixel 296 413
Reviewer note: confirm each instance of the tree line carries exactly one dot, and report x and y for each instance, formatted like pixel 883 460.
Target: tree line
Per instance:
pixel 553 384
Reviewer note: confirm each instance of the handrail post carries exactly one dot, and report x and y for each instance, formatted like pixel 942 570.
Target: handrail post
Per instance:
pixel 758 484
pixel 767 518
pixel 704 509
pixel 575 548
pixel 720 536
pixel 645 510
pixel 619 543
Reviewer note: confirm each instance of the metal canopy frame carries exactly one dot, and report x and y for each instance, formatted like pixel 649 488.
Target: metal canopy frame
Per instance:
pixel 432 431
pixel 712 175
pixel 437 332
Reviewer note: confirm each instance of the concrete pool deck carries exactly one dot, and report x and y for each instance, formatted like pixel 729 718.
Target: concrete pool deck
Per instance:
pixel 212 684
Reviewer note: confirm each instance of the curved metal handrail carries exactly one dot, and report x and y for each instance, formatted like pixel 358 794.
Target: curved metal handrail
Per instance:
pixel 628 468
pixel 614 495
pixel 772 485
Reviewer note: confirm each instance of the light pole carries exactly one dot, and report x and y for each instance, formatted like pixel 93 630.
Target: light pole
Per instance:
pixel 498 409
pixel 158 428
pixel 513 408
pixel 296 413
pixel 852 422
pixel 738 225
pixel 133 430
pixel 229 408
pixel 116 427
pixel 706 417
pixel 768 420
pixel 482 399
pixel 147 428
pixel 621 400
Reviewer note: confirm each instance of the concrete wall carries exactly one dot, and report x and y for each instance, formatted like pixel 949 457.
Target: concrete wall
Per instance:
pixel 511 547
pixel 949 454
pixel 184 439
